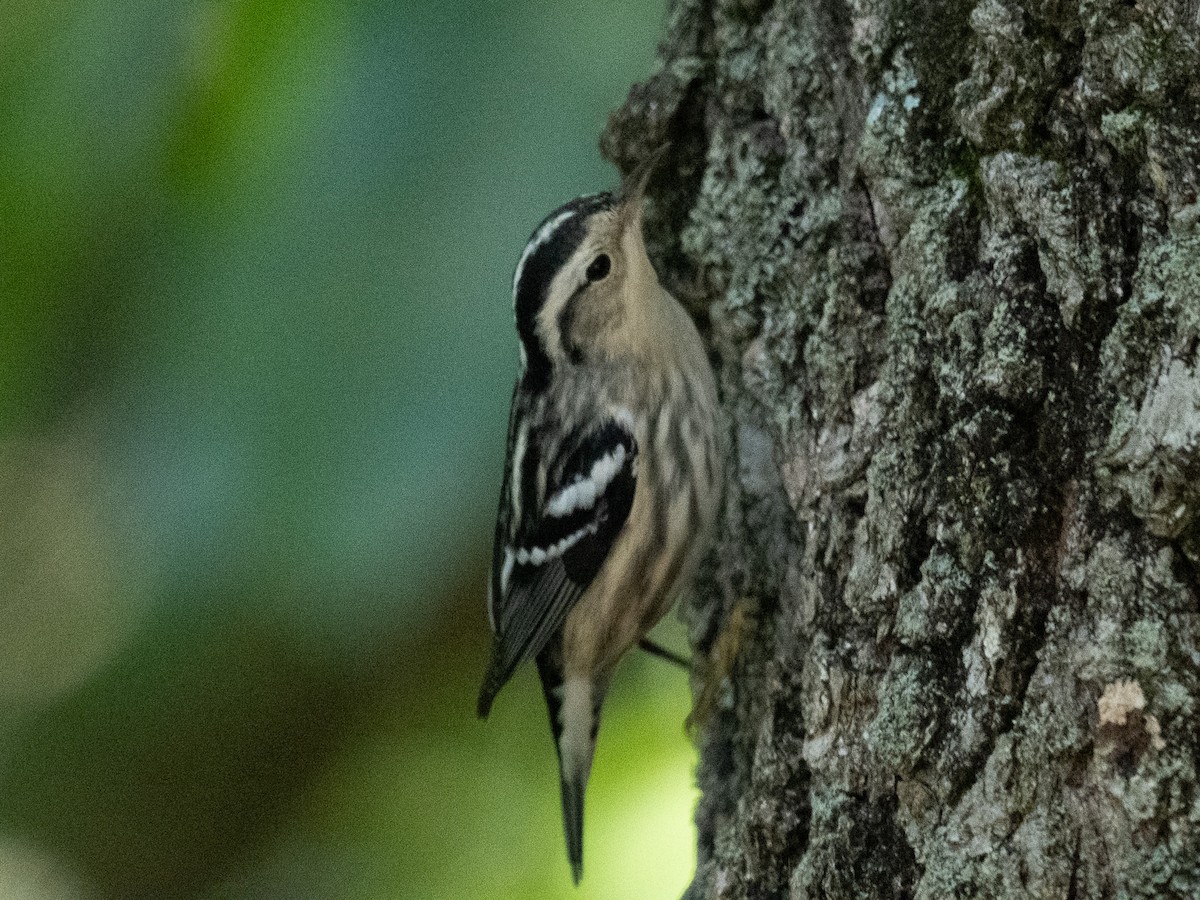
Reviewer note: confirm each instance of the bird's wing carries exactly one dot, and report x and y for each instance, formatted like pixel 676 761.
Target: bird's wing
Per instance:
pixel 551 541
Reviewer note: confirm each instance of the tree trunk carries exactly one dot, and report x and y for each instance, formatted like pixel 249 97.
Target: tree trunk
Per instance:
pixel 949 253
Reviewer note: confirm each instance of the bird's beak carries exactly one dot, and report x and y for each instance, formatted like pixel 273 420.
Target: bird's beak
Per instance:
pixel 633 189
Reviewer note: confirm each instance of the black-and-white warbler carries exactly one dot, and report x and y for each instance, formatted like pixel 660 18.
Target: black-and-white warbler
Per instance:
pixel 614 471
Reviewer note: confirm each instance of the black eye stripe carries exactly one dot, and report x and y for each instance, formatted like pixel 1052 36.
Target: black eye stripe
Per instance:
pixel 547 256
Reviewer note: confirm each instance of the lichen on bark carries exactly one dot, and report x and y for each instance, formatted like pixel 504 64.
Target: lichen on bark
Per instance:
pixel 947 254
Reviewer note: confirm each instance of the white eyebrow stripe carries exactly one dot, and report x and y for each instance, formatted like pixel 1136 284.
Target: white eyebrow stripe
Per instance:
pixel 539 238
pixel 582 494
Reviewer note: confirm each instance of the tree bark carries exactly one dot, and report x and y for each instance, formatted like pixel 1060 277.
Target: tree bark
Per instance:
pixel 948 253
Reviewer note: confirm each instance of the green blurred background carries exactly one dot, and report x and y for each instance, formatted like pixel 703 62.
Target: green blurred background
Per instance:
pixel 255 358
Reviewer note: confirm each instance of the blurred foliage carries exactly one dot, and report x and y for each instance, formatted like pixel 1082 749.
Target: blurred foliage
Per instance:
pixel 255 357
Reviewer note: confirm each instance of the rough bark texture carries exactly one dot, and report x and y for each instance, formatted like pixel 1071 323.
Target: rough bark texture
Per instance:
pixel 949 252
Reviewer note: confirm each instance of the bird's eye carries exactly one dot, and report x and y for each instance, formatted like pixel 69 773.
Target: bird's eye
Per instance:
pixel 599 267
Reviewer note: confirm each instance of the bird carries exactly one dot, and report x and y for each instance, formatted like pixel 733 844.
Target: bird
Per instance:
pixel 614 471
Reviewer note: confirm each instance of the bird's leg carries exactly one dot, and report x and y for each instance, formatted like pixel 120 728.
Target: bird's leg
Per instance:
pixel 663 653
pixel 717 667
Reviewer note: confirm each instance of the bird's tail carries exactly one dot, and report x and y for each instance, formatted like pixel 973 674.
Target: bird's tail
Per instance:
pixel 574 783
pixel 574 707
